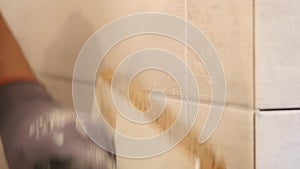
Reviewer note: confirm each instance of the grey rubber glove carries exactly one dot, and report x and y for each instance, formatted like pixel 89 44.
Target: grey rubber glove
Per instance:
pixel 38 134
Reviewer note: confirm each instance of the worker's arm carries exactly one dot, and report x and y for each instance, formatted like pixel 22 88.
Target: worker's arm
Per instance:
pixel 13 65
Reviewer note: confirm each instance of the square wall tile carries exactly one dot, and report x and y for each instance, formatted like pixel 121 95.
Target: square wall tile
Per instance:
pixel 234 138
pixel 229 26
pixel 51 33
pixel 277 139
pixel 232 143
pixel 277 53
pixel 151 78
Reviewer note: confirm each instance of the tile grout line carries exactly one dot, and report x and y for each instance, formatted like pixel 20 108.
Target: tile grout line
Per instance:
pixel 186 52
pixel 278 109
pixel 54 77
pixel 254 81
pixel 63 78
pixel 231 106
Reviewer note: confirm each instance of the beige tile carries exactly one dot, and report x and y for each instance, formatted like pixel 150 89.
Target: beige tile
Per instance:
pixel 176 158
pixel 234 138
pixel 151 78
pixel 277 54
pixel 172 159
pixel 232 142
pixel 277 139
pixel 3 163
pixel 51 33
pixel 60 89
pixel 228 25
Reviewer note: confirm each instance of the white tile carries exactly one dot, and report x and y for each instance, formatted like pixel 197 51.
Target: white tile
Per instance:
pixel 277 53
pixel 278 140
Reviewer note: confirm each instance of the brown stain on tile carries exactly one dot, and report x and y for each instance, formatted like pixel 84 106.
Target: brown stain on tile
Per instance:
pixel 139 98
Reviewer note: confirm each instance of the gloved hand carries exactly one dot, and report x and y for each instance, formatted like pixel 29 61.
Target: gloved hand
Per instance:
pixel 38 134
